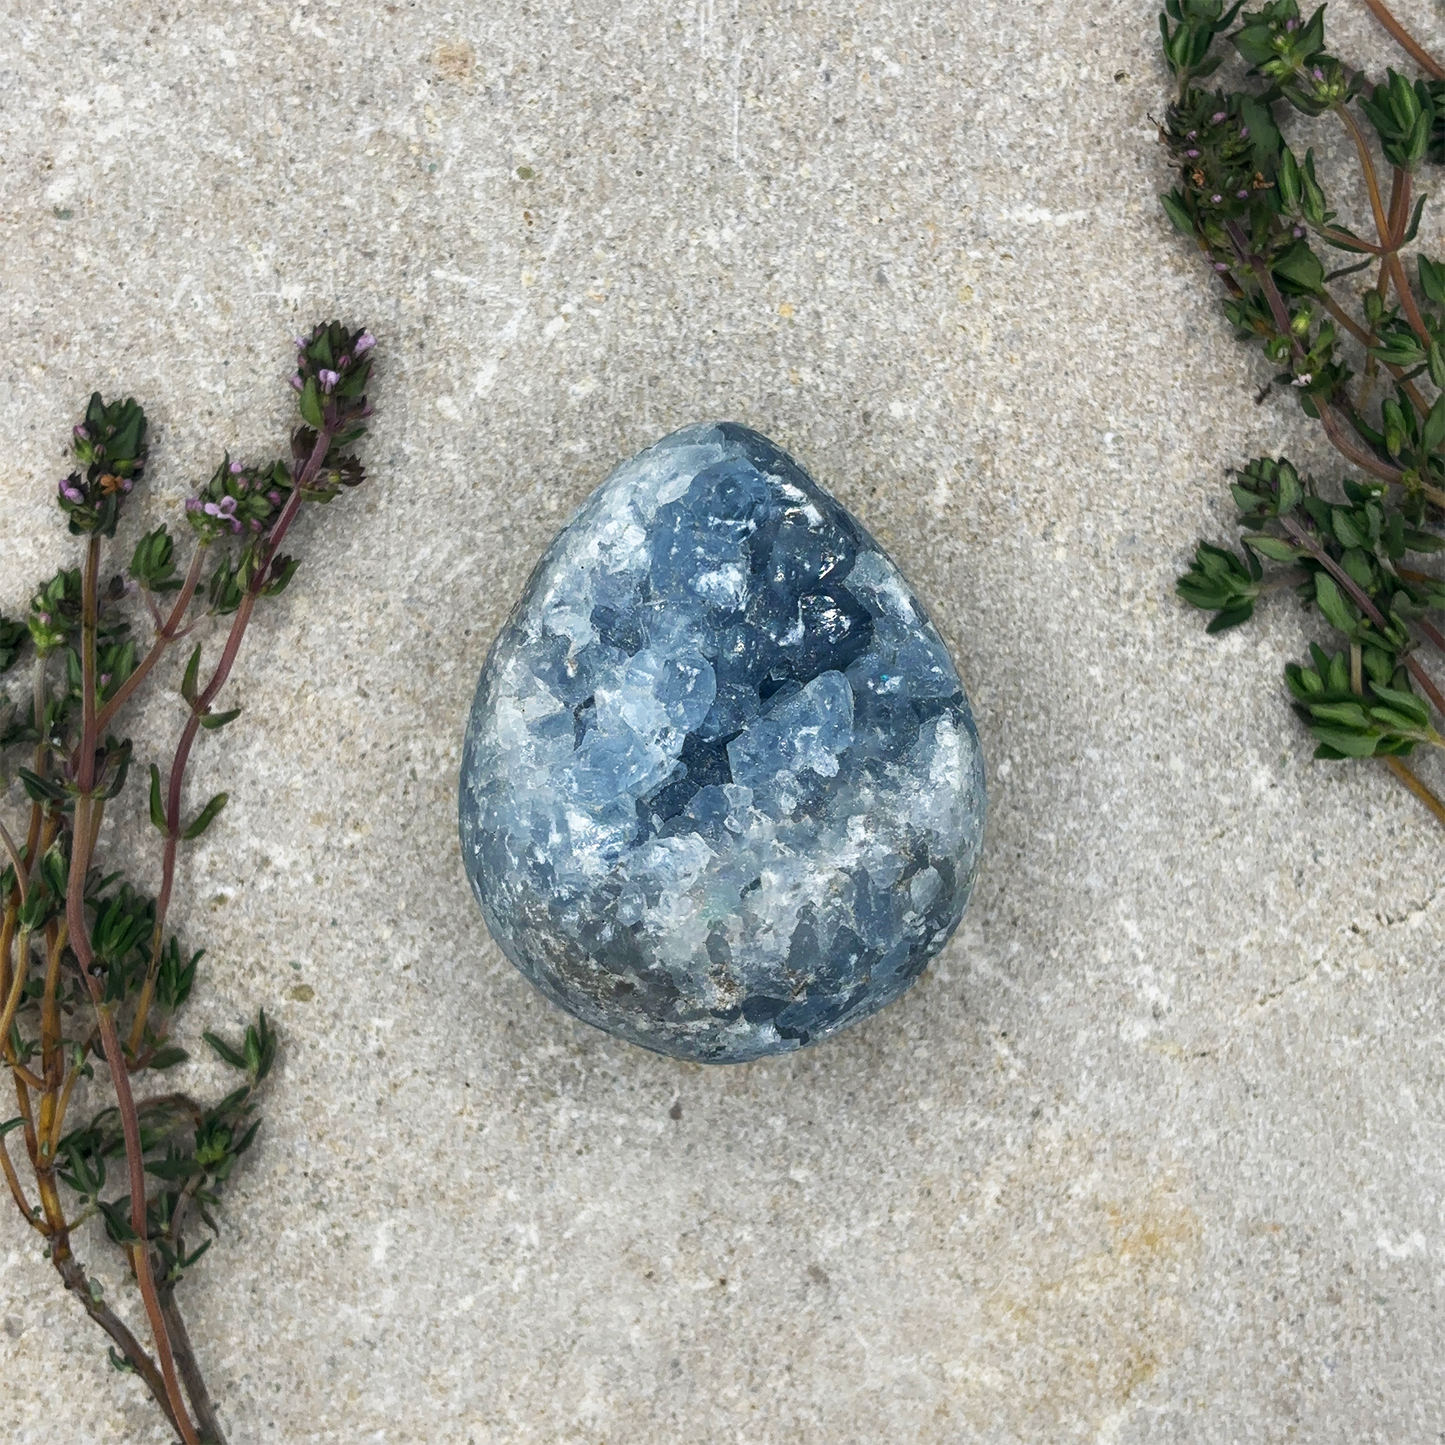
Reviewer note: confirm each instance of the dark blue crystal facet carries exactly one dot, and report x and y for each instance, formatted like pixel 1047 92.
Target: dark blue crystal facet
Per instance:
pixel 721 792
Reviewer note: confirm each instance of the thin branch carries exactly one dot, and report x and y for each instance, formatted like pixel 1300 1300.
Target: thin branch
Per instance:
pixel 82 834
pixel 73 1275
pixel 1412 781
pixel 1406 41
pixel 199 708
pixel 1280 312
pixel 165 635
pixel 60 1109
pixel 1366 461
pixel 201 1402
pixel 22 878
pixel 17 986
pixel 17 1192
pixel 1363 602
pixel 1367 165
pixel 1432 634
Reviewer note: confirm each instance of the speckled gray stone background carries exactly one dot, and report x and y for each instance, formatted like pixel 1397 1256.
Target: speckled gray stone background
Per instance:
pixel 1154 1151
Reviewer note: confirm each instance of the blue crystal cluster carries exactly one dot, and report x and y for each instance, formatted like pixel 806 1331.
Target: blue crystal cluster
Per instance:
pixel 721 792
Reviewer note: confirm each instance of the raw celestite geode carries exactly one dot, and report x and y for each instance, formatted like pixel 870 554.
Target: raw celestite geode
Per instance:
pixel 721 792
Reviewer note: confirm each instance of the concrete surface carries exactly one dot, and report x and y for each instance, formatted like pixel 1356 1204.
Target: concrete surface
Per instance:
pixel 1154 1152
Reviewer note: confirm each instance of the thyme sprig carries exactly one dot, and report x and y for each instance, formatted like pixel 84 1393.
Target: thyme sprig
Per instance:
pixel 1359 348
pixel 89 971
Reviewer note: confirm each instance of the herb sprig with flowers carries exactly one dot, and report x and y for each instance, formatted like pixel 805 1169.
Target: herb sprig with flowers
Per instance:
pixel 1359 347
pixel 89 971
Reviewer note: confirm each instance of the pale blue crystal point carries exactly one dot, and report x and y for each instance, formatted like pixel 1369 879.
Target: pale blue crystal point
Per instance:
pixel 721 792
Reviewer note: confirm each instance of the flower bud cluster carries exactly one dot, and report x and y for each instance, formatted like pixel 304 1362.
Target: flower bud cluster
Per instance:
pixel 333 365
pixel 55 611
pixel 110 446
pixel 239 501
pixel 1219 158
pixel 1290 52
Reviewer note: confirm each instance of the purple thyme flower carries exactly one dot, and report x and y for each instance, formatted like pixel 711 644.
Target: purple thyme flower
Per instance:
pixel 274 497
pixel 71 494
pixel 1244 132
pixel 193 504
pixel 297 382
pixel 1291 25
pixel 1216 199
pixel 328 379
pixel 255 525
pixel 1299 231
pixel 1191 154
pixel 1243 195
pixel 1318 74
pixel 1220 266
pixel 364 343
pixel 236 469
pixel 105 679
pixel 81 435
pixel 1218 116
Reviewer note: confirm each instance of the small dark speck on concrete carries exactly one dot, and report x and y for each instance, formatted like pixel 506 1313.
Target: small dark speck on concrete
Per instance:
pixel 676 1111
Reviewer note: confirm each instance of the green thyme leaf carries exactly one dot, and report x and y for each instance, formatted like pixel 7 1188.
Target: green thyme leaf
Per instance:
pixel 158 812
pixel 206 816
pixel 214 720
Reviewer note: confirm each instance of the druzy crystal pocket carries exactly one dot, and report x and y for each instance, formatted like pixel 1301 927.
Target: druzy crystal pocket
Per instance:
pixel 721 792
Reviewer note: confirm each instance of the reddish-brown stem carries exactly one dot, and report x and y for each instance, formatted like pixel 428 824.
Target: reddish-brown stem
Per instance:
pixel 1350 243
pixel 1363 601
pixel 1367 165
pixel 135 1160
pixel 201 1401
pixel 1342 443
pixel 199 709
pixel 1432 633
pixel 165 635
pixel 82 833
pixel 1406 41
pixel 73 1276
pixel 1407 300
pixel 1387 226
pixel 1368 339
pixel 1277 309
